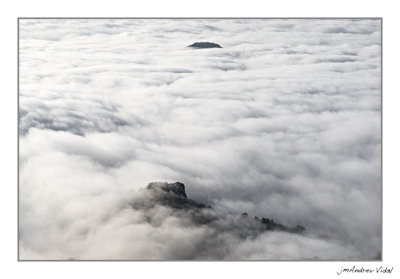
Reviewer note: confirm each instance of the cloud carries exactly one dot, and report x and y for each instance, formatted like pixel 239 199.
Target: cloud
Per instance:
pixel 283 121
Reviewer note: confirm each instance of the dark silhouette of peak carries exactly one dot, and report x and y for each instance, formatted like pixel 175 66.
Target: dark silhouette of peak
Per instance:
pixel 176 188
pixel 205 45
pixel 173 195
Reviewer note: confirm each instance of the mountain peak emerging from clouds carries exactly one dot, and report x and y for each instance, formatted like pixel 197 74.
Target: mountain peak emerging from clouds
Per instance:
pixel 173 195
pixel 205 45
pixel 177 188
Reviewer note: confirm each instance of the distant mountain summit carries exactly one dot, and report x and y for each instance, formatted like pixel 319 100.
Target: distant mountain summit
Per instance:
pixel 205 45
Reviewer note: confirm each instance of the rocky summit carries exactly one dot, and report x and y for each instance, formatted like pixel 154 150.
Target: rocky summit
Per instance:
pixel 176 188
pixel 205 45
pixel 173 195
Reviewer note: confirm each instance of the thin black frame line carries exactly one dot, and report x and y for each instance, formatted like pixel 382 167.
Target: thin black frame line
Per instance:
pixel 381 140
pixel 201 18
pixel 209 261
pixel 18 140
pixel 47 260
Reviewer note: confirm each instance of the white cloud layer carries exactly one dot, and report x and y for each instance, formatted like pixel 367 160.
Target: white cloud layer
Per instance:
pixel 284 121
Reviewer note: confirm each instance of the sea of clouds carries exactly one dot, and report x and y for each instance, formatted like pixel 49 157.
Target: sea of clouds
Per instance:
pixel 284 121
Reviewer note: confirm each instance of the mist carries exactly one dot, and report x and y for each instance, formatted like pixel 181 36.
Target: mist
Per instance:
pixel 283 121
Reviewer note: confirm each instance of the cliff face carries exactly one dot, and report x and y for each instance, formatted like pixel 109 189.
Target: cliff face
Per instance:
pixel 204 45
pixel 173 196
pixel 176 188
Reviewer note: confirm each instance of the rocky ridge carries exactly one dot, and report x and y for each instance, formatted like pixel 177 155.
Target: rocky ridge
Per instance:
pixel 173 195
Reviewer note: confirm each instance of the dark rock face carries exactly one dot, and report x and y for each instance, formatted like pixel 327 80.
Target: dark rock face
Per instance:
pixel 176 188
pixel 205 45
pixel 173 195
pixel 269 224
